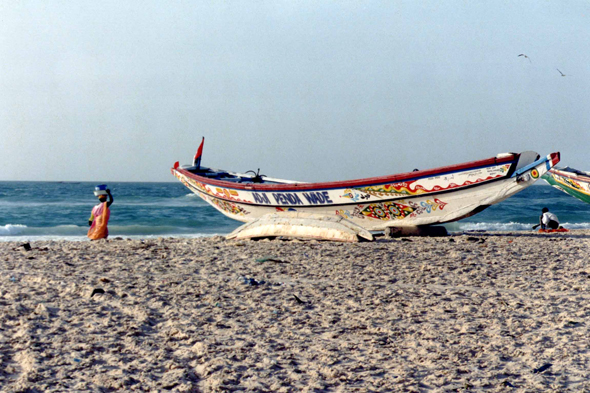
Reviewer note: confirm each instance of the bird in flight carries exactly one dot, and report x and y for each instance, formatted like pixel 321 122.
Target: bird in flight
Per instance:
pixel 525 56
pixel 562 74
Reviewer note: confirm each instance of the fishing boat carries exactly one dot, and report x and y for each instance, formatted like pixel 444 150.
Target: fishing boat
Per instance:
pixel 571 181
pixel 418 198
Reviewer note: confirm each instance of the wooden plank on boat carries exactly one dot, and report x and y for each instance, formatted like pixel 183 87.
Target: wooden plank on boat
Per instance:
pixel 302 225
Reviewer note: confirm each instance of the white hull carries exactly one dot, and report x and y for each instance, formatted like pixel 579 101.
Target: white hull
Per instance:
pixel 444 197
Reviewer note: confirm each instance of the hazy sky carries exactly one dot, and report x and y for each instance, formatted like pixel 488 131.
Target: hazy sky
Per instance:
pixel 304 90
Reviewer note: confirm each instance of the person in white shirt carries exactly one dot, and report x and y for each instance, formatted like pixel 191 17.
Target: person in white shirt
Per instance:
pixel 548 220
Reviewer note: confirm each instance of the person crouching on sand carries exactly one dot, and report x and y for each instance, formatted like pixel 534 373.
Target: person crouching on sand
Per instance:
pixel 100 215
pixel 548 220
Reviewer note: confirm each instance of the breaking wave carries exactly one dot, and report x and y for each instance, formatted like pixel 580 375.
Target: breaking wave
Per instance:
pixel 508 226
pixel 12 229
pixel 16 232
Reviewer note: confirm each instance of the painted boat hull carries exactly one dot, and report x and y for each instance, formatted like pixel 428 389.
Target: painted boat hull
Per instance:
pixel 576 184
pixel 426 197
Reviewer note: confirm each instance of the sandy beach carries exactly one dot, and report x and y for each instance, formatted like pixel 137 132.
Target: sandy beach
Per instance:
pixel 474 312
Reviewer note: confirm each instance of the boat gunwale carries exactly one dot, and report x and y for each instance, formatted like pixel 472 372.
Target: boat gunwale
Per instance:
pixel 371 181
pixel 571 175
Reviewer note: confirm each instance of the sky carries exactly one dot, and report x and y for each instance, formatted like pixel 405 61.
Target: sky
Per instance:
pixel 304 90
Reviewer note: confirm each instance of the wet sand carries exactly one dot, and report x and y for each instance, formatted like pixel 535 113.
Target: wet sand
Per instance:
pixel 478 312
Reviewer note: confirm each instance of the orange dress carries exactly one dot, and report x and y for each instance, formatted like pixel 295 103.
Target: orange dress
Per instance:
pixel 100 219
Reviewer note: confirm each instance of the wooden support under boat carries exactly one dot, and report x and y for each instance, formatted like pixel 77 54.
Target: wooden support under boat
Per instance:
pixel 302 225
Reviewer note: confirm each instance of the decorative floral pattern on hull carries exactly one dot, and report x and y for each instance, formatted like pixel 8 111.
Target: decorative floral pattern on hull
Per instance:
pixel 393 210
pixel 413 187
pixel 229 207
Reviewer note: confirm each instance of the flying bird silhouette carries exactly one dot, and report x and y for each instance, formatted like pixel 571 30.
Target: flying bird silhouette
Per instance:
pixel 562 74
pixel 525 56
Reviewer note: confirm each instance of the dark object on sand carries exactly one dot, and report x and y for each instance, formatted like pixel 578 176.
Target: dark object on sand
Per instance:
pixel 253 281
pixel 542 368
pixel 26 246
pixel 97 290
pixel 298 300
pixel 419 231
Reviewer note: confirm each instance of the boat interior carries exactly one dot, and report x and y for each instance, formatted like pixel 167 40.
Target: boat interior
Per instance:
pixel 576 171
pixel 247 177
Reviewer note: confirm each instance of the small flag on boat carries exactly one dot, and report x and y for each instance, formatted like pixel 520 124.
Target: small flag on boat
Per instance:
pixel 197 160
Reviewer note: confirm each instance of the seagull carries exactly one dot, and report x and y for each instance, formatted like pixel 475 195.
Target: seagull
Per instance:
pixel 525 56
pixel 562 74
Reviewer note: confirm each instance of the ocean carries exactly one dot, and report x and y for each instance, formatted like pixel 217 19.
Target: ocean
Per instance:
pixel 32 211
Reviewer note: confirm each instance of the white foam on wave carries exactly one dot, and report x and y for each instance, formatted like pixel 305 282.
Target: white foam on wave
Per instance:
pixel 12 229
pixel 12 232
pixel 84 238
pixel 18 232
pixel 495 226
pixel 510 226
pixel 41 238
pixel 580 225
